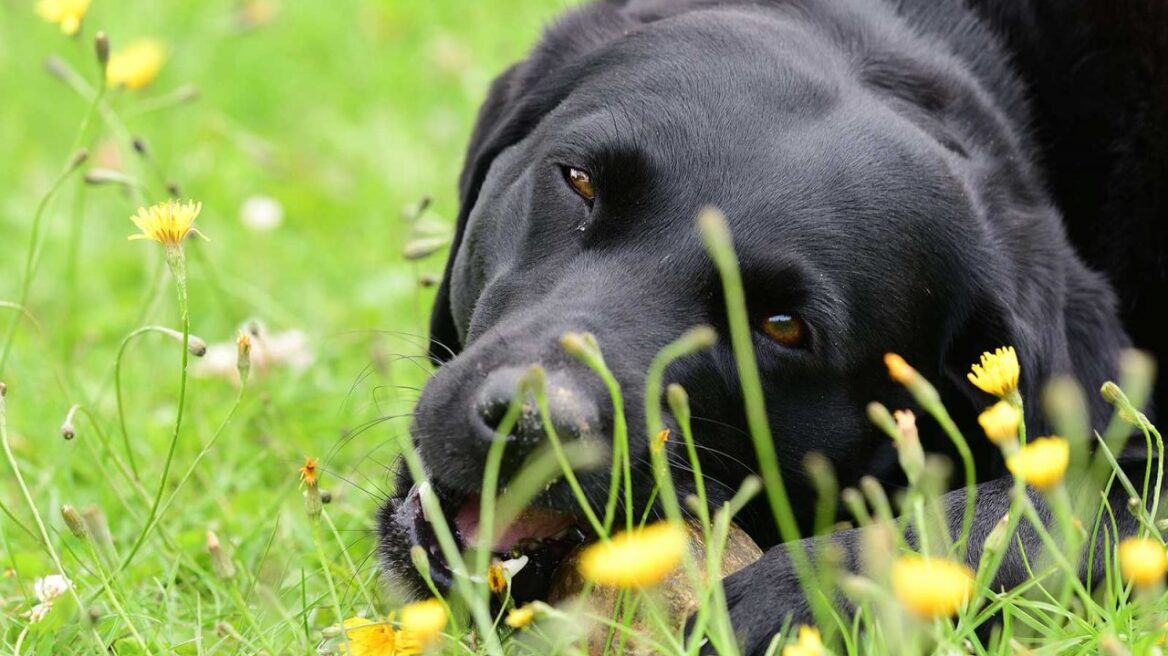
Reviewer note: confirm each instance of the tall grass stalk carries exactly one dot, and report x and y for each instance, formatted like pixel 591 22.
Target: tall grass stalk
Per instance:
pixel 716 234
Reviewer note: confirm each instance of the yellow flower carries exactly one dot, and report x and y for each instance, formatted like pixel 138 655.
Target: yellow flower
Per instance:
pixel 997 373
pixel 423 620
pixel 308 471
pixel 637 558
pixel 136 65
pixel 1000 422
pixel 368 638
pixel 496 580
pixel 898 369
pixel 520 617
pixel 168 222
pixel 1143 561
pixel 1041 463
pixel 659 441
pixel 931 587
pixel 809 643
pixel 66 13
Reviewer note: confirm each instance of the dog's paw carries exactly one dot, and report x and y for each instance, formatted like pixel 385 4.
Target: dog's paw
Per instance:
pixel 760 599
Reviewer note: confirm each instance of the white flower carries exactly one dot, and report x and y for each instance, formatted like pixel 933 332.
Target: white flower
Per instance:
pixel 51 587
pixel 261 213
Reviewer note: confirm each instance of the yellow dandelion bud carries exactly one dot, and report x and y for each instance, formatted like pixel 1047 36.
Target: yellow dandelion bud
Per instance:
pixel 243 355
pixel 898 369
pixel 496 579
pixel 308 471
pixel 423 620
pixel 931 587
pixel 1042 463
pixel 1000 423
pixel 365 637
pixel 902 372
pixel 658 443
pixel 136 65
pixel 637 558
pixel 66 13
pixel 520 618
pixel 168 222
pixel 1143 561
pixel 997 373
pixel 809 644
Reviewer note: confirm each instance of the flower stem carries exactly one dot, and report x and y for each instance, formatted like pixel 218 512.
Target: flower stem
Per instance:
pixel 174 257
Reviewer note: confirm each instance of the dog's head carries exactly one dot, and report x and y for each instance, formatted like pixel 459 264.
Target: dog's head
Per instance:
pixel 880 200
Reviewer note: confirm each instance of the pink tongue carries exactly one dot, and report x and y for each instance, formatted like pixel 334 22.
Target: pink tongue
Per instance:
pixel 532 523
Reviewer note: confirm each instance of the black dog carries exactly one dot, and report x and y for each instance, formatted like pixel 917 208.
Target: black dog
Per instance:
pixel 898 176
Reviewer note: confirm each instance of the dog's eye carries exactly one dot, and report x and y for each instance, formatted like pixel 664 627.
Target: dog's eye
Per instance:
pixel 580 182
pixel 786 329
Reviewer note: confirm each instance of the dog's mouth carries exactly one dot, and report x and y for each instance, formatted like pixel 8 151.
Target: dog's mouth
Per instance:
pixel 532 547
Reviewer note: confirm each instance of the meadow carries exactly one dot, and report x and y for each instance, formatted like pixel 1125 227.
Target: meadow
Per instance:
pixel 197 435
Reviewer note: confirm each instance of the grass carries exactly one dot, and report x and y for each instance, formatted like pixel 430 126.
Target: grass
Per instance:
pixel 191 532
pixel 346 115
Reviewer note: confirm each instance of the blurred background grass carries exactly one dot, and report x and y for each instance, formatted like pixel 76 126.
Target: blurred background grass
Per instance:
pixel 343 112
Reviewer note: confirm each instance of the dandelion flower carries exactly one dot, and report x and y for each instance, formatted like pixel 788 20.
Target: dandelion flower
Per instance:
pixel 423 620
pixel 997 373
pixel 136 65
pixel 368 638
pixel 168 222
pixel 809 643
pixel 496 580
pixel 66 13
pixel 1000 422
pixel 637 558
pixel 1041 463
pixel 520 618
pixel 931 587
pixel 1143 561
pixel 308 471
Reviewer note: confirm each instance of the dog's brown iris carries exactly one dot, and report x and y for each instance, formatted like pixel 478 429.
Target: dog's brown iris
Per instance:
pixel 580 181
pixel 785 329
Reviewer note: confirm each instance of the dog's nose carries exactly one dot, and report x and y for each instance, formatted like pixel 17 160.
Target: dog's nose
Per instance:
pixel 573 412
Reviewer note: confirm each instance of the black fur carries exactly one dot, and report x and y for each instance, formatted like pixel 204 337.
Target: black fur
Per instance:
pixel 903 175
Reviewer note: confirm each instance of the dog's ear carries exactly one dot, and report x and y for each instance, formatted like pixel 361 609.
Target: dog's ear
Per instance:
pixel 516 102
pixel 444 339
pixel 1080 336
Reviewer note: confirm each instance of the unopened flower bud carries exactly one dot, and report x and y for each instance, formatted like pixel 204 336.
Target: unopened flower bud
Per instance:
pixel 79 158
pixel 101 47
pixel 421 561
pixel 220 562
pixel 67 430
pixel 575 346
pixel 908 445
pixel 879 415
pixel 243 355
pixel 74 522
